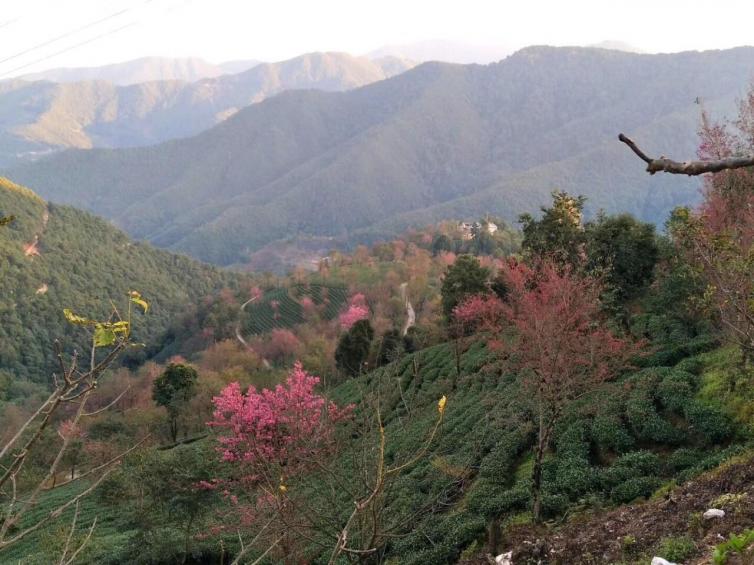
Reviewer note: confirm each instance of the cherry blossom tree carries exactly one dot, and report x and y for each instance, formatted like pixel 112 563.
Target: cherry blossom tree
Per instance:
pixel 272 438
pixel 357 310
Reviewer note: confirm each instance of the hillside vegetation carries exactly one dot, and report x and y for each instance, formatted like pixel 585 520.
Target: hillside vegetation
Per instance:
pixel 54 257
pixel 438 141
pixel 651 429
pixel 38 117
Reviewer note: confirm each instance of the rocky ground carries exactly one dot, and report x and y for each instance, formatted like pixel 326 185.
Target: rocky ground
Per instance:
pixel 634 533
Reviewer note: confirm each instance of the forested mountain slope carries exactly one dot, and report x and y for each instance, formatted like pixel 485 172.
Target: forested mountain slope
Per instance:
pixel 54 257
pixel 42 116
pixel 435 142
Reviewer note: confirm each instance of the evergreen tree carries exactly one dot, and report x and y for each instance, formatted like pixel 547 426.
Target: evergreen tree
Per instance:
pixel 464 278
pixel 625 251
pixel 172 390
pixel 441 243
pixel 353 348
pixel 390 347
pixel 559 233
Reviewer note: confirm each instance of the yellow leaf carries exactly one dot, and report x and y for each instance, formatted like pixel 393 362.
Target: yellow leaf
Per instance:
pixel 441 404
pixel 136 298
pixel 76 319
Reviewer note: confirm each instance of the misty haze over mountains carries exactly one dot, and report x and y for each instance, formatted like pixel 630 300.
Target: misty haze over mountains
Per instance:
pixel 438 141
pixel 145 69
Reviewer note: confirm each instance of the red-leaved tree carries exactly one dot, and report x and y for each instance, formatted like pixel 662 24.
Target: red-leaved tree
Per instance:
pixel 718 238
pixel 559 345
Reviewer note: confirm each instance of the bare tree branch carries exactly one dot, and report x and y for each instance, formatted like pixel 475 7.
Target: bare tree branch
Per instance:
pixel 690 168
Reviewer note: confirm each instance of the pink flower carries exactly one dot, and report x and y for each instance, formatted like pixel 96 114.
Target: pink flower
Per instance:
pixel 286 425
pixel 357 310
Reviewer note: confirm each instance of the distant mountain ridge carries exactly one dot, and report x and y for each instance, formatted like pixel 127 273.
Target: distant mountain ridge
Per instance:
pixel 41 117
pixel 438 141
pixel 617 45
pixel 145 69
pixel 443 50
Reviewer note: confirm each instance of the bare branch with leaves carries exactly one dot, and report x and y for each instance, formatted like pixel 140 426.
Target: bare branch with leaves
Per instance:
pixel 74 385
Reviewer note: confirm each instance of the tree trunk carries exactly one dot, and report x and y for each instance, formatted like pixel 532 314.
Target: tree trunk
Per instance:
pixel 536 473
pixel 187 540
pixel 493 536
pixel 174 429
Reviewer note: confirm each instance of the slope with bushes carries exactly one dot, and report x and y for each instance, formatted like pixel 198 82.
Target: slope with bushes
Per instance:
pixel 54 257
pixel 653 426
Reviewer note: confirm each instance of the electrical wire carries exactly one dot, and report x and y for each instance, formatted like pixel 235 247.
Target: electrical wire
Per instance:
pixel 66 35
pixel 69 48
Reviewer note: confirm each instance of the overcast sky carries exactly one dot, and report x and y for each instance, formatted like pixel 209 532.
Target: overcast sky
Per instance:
pixel 39 34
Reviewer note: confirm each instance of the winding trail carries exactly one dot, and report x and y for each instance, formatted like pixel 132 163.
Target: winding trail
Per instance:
pixel 410 314
pixel 240 338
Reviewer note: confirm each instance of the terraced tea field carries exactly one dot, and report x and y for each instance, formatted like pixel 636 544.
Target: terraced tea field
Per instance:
pixel 281 307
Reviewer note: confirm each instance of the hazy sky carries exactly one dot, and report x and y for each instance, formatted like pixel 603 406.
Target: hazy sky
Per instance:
pixel 38 34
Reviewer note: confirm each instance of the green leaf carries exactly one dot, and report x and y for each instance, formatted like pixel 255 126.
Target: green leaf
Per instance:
pixel 103 336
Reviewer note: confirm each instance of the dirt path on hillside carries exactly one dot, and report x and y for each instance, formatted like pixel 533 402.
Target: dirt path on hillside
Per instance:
pixel 31 249
pixel 240 337
pixel 410 314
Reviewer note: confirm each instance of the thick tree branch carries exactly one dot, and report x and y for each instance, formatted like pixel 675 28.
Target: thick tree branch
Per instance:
pixel 690 168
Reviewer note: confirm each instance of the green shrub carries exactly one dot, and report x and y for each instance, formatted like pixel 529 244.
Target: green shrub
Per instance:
pixel 676 549
pixel 644 420
pixel 609 433
pixel 693 365
pixel 630 465
pixel 683 458
pixel 574 441
pixel 675 390
pixel 554 504
pixel 710 423
pixel 491 502
pixel 573 477
pixel 634 488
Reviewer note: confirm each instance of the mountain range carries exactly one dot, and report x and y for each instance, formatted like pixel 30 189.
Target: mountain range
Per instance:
pixel 438 141
pixel 444 50
pixel 144 69
pixel 40 117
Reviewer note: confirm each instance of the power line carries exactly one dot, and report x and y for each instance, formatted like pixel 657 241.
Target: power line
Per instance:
pixel 9 22
pixel 70 47
pixel 65 35
pixel 73 32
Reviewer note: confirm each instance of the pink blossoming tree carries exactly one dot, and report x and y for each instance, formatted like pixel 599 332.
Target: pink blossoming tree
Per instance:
pixel 273 438
pixel 357 310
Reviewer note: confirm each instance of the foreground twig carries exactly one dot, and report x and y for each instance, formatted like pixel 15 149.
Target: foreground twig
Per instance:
pixel 690 168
